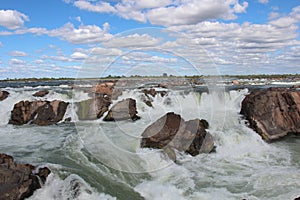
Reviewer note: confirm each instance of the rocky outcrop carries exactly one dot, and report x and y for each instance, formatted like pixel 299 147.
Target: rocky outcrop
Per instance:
pixel 274 112
pixel 18 181
pixel 105 88
pixel 123 110
pixel 149 94
pixel 38 112
pixel 171 131
pixel 93 108
pixel 153 92
pixel 3 95
pixel 41 93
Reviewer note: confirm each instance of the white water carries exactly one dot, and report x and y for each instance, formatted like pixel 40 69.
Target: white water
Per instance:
pixel 83 157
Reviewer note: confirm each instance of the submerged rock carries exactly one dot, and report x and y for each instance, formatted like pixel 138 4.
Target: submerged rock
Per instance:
pixel 38 112
pixel 41 93
pixel 3 95
pixel 123 110
pixel 273 112
pixel 171 131
pixel 18 181
pixel 93 108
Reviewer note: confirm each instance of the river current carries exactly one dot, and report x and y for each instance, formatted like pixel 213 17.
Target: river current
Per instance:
pixel 103 160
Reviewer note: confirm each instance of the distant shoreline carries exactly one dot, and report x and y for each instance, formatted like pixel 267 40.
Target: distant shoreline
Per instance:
pixel 255 76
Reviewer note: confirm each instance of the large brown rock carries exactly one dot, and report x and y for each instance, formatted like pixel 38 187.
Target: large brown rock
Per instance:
pixel 38 112
pixel 123 110
pixel 18 181
pixel 41 93
pixel 105 88
pixel 93 108
pixel 171 131
pixel 3 95
pixel 274 112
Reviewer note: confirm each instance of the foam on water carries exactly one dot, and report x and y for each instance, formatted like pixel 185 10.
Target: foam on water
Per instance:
pixel 73 187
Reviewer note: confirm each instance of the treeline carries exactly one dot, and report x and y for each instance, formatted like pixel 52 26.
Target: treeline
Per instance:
pixel 254 76
pixel 36 79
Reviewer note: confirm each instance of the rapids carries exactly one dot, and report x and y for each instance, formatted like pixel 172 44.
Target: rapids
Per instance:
pixel 103 160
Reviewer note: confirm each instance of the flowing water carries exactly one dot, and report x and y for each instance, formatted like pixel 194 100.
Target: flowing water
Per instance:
pixel 103 160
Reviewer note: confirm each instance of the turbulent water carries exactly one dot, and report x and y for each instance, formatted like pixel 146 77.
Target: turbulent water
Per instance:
pixel 103 160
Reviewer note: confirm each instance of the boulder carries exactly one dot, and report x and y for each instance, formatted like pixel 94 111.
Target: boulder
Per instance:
pixel 171 131
pixel 153 92
pixel 93 108
pixel 273 112
pixel 18 181
pixel 41 93
pixel 123 110
pixel 105 88
pixel 38 112
pixel 3 95
pixel 235 82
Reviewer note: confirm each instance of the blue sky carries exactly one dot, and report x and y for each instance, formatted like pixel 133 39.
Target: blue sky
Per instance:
pixel 92 38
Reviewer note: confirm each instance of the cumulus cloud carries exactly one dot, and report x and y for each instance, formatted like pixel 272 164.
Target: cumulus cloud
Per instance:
pixel 12 19
pixel 15 61
pixel 78 56
pixel 18 54
pixel 82 35
pixel 167 12
pixel 101 7
pixel 285 21
pixel 134 40
pixel 237 45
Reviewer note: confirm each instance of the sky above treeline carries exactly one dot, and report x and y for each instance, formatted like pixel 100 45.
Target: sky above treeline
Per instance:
pixel 93 38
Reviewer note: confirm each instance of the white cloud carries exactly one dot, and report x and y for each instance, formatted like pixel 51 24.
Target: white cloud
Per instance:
pixel 238 8
pixel 1 44
pixel 78 18
pixel 61 58
pixel 263 1
pixel 38 61
pixel 78 56
pixel 81 35
pixel 18 54
pixel 106 51
pixel 273 15
pixel 12 19
pixel 101 7
pixel 15 61
pixel 291 19
pixel 168 12
pixel 84 34
pixel 239 46
pixel 133 40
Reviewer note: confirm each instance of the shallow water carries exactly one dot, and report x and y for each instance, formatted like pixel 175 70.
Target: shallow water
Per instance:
pixel 103 160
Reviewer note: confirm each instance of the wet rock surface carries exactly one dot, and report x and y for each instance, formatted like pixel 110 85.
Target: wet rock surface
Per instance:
pixel 274 112
pixel 123 110
pixel 93 108
pixel 172 131
pixel 18 181
pixel 41 93
pixel 38 112
pixel 3 95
